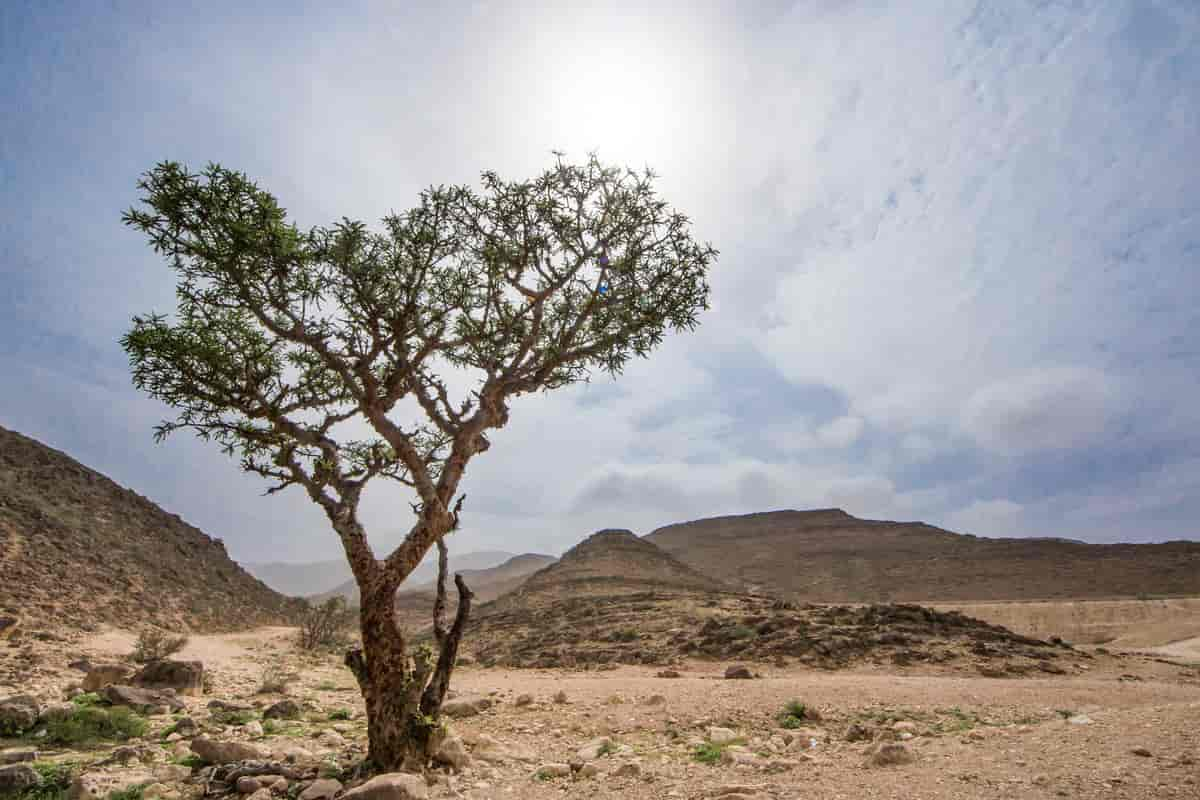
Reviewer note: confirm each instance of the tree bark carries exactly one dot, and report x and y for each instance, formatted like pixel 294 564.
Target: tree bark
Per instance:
pixel 403 692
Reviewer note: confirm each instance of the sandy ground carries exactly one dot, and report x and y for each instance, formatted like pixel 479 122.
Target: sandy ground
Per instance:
pixel 974 737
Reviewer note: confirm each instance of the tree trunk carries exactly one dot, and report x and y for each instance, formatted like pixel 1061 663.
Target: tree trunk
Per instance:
pixel 403 692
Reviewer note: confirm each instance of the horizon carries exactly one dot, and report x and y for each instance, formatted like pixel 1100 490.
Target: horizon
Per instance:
pixel 957 281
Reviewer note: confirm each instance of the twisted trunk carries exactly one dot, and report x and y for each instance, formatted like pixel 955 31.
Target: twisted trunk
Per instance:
pixel 403 691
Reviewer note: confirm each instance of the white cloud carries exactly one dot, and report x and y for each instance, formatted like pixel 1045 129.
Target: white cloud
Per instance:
pixel 841 432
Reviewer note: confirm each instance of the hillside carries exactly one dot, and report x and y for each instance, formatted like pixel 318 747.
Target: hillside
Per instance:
pixel 424 576
pixel 415 605
pixel 78 549
pixel 302 579
pixel 829 556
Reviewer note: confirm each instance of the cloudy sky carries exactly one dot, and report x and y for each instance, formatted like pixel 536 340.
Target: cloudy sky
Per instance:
pixel 959 245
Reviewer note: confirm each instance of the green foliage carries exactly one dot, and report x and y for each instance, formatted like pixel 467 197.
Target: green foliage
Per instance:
pixel 708 753
pixel 94 724
pixel 87 700
pixel 234 717
pixel 741 632
pixel 270 727
pixel 132 793
pixel 153 645
pixel 54 781
pixel 190 761
pixel 340 714
pixel 793 715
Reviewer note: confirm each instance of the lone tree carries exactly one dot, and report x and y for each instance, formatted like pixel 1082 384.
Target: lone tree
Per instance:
pixel 325 359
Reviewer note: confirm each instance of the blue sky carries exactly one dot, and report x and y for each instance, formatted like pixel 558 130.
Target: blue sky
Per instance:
pixel 959 245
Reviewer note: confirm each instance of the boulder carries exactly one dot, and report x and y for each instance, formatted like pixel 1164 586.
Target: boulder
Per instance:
pixel 18 755
pixel 284 709
pixel 453 753
pixel 185 677
pixel 101 675
pixel 147 701
pixel 321 789
pixel 186 727
pixel 215 752
pixel 390 786
pixel 465 706
pixel 594 749
pixel 738 672
pixel 888 754
pixel 99 785
pixel 18 714
pixel 57 712
pixel 16 778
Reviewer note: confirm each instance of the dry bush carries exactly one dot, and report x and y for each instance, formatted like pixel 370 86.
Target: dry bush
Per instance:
pixel 155 645
pixel 277 677
pixel 324 626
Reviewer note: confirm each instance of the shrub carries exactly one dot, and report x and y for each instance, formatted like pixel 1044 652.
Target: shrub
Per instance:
pixel 793 714
pixel 341 713
pixel 741 632
pixel 276 678
pixel 54 781
pixel 87 700
pixel 708 753
pixel 93 723
pixel 324 626
pixel 233 717
pixel 155 645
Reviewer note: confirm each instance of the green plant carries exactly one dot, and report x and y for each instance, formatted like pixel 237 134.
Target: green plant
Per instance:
pixel 87 699
pixel 233 717
pixel 270 727
pixel 132 793
pixel 54 781
pixel 793 715
pixel 708 753
pixel 155 645
pixel 341 713
pixel 190 761
pixel 92 724
pixel 608 747
pixel 741 632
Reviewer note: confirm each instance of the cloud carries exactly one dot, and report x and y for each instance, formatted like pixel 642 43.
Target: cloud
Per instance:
pixel 987 518
pixel 841 432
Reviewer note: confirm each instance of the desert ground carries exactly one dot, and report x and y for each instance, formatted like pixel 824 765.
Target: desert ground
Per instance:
pixel 1110 729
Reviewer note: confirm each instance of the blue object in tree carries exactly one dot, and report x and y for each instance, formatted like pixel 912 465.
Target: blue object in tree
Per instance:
pixel 603 288
pixel 604 259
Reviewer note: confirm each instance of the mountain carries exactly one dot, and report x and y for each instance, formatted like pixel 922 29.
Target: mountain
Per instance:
pixel 415 605
pixel 615 598
pixel 827 555
pixel 302 579
pixel 79 549
pixel 426 572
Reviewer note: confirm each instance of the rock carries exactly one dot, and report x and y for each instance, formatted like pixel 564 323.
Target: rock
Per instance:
pixel 654 700
pixel 667 673
pixel 262 794
pixel 594 749
pixel 1050 667
pixel 738 672
pixel 181 750
pixel 523 700
pixel 859 733
pixel 248 784
pixel 587 771
pixel 331 738
pixel 630 769
pixel 81 664
pixel 1080 719
pixel 186 727
pixel 102 675
pixel 560 697
pixel 147 701
pixel 891 753
pixel 222 705
pixel 99 785
pixel 293 753
pixel 390 786
pixel 321 789
pixel 253 729
pixel 171 773
pixel 18 755
pixel 1141 751
pixel 8 626
pixel 57 712
pixel 18 714
pixel 552 770
pixel 15 778
pixel 185 677
pixel 721 735
pixel 453 753
pixel 737 755
pixel 284 709
pixel 465 706
pixel 214 752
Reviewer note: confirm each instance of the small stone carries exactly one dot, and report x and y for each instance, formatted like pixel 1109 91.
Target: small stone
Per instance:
pixel 18 755
pixel 594 749
pixel 248 784
pixel 721 735
pixel 1080 719
pixel 891 753
pixel 390 786
pixel 158 791
pixel 667 673
pixel 552 770
pixel 284 709
pixel 560 697
pixel 453 753
pixel 1141 751
pixel 655 700
pixel 261 794
pixel 738 672
pixel 859 733
pixel 630 769
pixel 15 778
pixel 588 771
pixel 99 785
pixel 321 789
pixel 214 752
pixel 253 729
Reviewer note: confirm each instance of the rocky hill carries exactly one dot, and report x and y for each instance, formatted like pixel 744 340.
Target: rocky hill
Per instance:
pixel 78 549
pixel 829 556
pixel 615 598
pixel 415 605
pixel 425 575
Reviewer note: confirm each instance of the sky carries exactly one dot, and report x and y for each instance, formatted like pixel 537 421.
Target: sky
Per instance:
pixel 959 245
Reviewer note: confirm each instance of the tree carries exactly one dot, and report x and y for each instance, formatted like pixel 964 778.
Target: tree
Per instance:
pixel 324 360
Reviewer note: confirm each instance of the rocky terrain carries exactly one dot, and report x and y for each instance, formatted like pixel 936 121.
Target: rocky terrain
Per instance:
pixel 423 577
pixel 829 556
pixel 77 549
